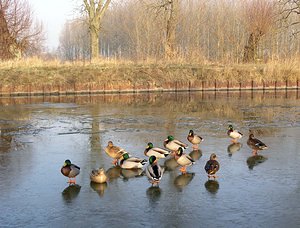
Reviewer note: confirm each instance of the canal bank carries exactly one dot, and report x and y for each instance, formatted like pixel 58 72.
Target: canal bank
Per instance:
pixel 65 79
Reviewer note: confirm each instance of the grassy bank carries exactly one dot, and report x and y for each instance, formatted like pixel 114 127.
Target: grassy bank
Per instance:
pixel 38 72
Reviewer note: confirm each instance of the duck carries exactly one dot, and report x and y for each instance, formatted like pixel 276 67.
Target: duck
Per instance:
pixel 173 144
pixel 194 139
pixel 234 134
pixel 70 170
pixel 212 166
pixel 154 171
pixel 155 151
pixel 183 160
pixel 127 162
pixel 255 144
pixel 98 176
pixel 114 152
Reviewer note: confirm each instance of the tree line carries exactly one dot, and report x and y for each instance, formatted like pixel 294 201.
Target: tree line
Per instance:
pixel 228 31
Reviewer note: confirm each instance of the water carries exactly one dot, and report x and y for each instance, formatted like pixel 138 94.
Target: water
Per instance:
pixel 39 133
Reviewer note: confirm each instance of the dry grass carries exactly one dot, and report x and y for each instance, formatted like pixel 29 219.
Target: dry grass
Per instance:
pixel 35 70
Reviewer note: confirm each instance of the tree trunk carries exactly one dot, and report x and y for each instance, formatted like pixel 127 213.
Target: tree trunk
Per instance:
pixel 172 19
pixel 94 33
pixel 6 40
pixel 95 11
pixel 250 50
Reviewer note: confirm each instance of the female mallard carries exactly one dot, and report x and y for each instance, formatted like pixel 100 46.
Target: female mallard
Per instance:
pixel 174 144
pixel 155 151
pixel 153 171
pixel 212 166
pixel 183 159
pixel 114 152
pixel 234 134
pixel 194 139
pixel 131 162
pixel 255 144
pixel 98 176
pixel 70 170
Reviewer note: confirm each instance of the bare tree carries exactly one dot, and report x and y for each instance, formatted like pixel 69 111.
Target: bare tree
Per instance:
pixel 259 17
pixel 74 40
pixel 95 11
pixel 19 35
pixel 290 9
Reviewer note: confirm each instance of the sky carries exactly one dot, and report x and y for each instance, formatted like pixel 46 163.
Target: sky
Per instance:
pixel 53 14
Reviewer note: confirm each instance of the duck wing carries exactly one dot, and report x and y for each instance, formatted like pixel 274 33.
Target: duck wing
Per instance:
pixel 180 143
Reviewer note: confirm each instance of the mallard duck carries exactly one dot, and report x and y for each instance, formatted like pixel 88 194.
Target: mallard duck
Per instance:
pixel 255 144
pixel 212 166
pixel 234 134
pixel 70 170
pixel 155 151
pixel 153 171
pixel 98 176
pixel 114 152
pixel 183 159
pixel 131 162
pixel 173 144
pixel 194 139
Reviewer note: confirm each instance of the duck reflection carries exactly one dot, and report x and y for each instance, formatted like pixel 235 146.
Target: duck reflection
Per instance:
pixel 234 147
pixel 153 193
pixel 255 160
pixel 212 186
pixel 113 173
pixel 131 173
pixel 99 188
pixel 183 180
pixel 196 154
pixel 170 164
pixel 71 192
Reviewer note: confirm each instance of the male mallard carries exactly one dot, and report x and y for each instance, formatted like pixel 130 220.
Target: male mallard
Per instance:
pixel 234 134
pixel 155 151
pixel 153 171
pixel 114 152
pixel 131 162
pixel 255 144
pixel 70 170
pixel 173 144
pixel 212 166
pixel 183 159
pixel 98 176
pixel 194 139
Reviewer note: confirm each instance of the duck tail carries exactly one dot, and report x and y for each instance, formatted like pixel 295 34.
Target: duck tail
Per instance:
pixel 144 162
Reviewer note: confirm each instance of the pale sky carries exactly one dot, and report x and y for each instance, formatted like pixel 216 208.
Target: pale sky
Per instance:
pixel 53 14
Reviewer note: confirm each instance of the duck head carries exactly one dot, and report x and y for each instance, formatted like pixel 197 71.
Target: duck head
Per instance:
pixel 170 138
pixel 150 145
pixel 191 133
pixel 67 163
pixel 110 144
pixel 152 159
pixel 125 156
pixel 230 127
pixel 213 156
pixel 101 171
pixel 179 151
pixel 251 136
